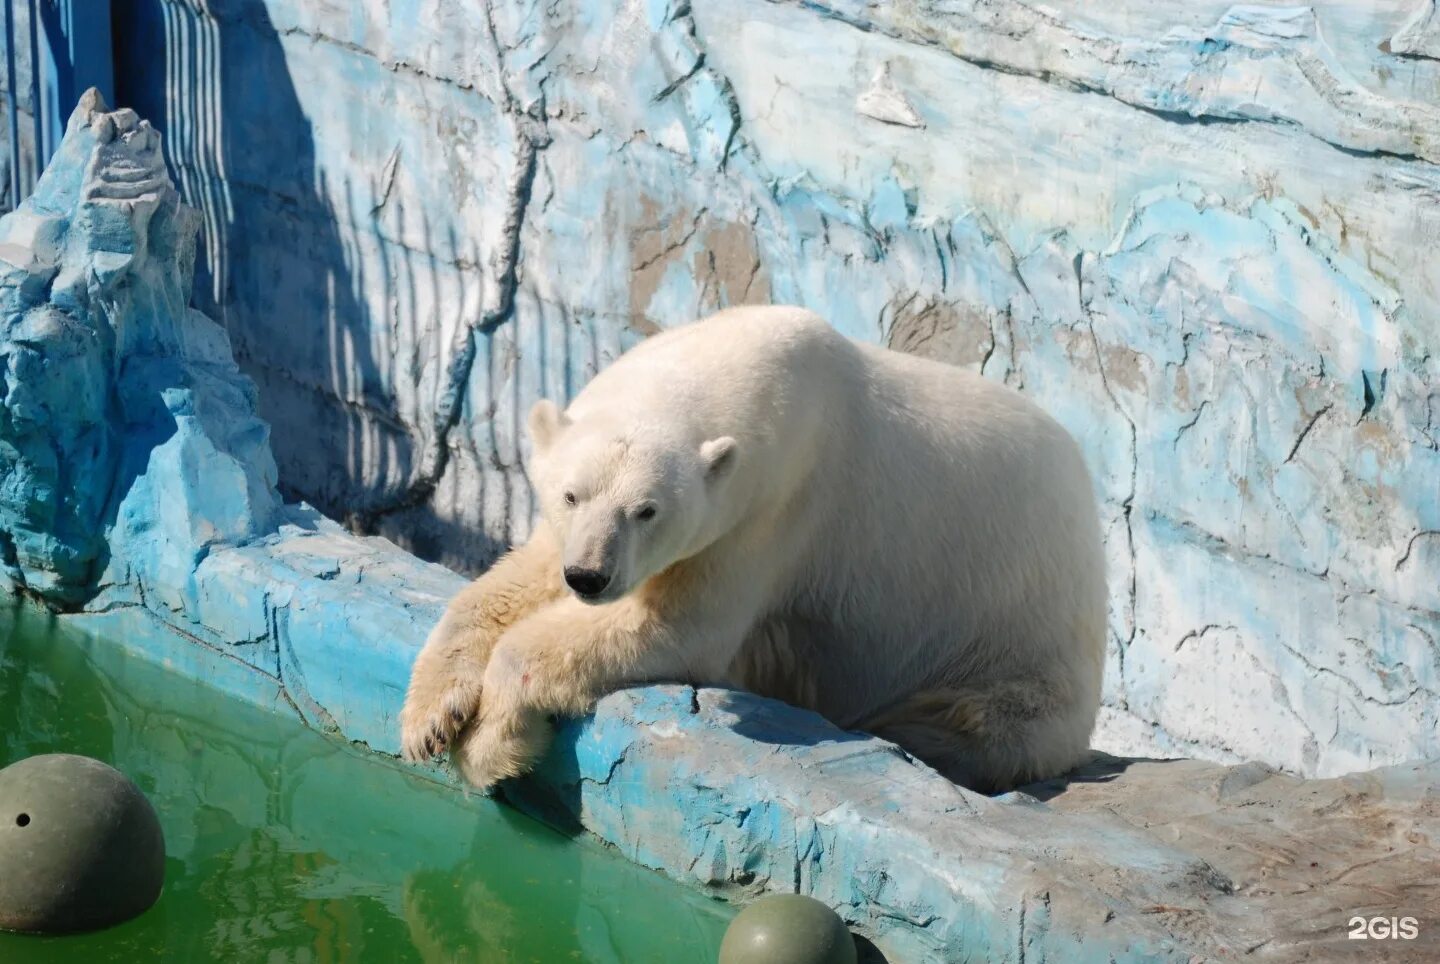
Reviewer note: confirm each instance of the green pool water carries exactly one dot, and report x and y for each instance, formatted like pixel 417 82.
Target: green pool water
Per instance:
pixel 284 845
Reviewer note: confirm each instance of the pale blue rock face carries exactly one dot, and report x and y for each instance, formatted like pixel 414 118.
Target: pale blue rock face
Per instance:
pixel 129 444
pixel 112 386
pixel 1201 236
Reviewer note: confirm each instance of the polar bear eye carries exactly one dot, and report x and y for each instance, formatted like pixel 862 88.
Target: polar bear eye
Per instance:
pixel 645 514
pixel 569 498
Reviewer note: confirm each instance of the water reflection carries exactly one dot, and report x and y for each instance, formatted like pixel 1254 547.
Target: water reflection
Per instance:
pixel 286 846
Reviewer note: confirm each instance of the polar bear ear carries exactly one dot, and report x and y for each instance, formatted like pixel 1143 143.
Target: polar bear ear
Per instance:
pixel 545 423
pixel 718 454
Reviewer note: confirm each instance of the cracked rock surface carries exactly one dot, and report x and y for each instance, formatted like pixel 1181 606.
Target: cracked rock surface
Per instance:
pixel 1126 859
pixel 1200 233
pixel 1302 858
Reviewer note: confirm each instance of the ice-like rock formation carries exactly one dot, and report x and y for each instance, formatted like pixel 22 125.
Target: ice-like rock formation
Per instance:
pixel 129 444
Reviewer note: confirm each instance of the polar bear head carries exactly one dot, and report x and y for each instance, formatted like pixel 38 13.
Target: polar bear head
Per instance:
pixel 625 501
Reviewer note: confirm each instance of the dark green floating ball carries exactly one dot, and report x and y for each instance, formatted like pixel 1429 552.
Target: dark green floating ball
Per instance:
pixel 80 846
pixel 787 929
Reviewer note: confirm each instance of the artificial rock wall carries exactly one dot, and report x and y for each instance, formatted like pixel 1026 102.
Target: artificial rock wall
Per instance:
pixel 127 432
pixel 1202 235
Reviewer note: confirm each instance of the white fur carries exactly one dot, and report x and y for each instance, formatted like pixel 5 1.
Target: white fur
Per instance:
pixel 899 544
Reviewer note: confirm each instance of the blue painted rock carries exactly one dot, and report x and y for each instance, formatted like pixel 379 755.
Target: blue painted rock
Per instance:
pixel 80 846
pixel 787 929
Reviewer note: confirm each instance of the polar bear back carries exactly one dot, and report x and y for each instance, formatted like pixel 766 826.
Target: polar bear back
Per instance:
pixel 973 527
pixel 942 526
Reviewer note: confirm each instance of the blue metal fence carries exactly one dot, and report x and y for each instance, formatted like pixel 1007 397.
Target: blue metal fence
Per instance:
pixel 69 51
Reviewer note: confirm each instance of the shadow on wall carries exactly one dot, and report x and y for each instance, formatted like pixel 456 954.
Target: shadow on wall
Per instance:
pixel 283 263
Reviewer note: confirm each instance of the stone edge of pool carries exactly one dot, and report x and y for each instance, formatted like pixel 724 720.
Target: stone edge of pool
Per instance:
pixel 714 788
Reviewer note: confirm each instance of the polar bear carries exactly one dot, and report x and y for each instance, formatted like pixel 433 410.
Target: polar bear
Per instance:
pixel 755 500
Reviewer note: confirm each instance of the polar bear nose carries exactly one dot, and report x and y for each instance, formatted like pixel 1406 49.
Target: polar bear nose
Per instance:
pixel 586 582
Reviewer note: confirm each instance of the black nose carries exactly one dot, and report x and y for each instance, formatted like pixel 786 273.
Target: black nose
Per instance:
pixel 587 582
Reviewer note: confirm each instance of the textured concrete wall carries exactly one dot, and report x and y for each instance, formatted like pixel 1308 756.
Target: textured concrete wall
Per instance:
pixel 1203 236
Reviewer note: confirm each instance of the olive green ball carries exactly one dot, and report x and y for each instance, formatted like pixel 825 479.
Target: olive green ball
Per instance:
pixel 80 846
pixel 787 929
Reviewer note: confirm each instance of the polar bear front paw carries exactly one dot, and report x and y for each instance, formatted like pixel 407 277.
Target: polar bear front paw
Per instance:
pixel 496 748
pixel 440 702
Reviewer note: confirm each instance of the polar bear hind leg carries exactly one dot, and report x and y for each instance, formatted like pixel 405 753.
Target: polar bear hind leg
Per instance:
pixel 990 737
